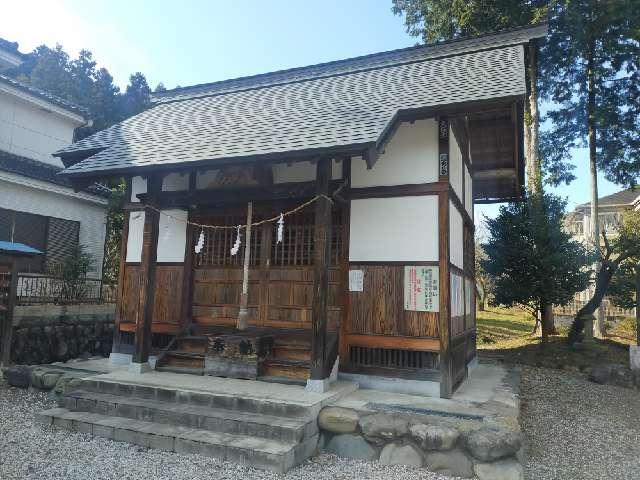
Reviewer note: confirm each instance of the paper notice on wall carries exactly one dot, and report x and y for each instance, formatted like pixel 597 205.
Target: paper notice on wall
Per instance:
pixel 356 280
pixel 421 289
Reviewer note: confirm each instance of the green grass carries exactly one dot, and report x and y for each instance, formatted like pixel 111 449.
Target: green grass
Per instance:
pixel 506 335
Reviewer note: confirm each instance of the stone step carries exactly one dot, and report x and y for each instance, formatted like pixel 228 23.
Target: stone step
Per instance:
pixel 192 416
pixel 196 397
pixel 244 450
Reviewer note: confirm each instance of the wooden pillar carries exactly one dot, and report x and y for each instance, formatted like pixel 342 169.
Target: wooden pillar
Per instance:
pixel 446 374
pixel 7 325
pixel 187 273
pixel 124 239
pixel 144 315
pixel 321 261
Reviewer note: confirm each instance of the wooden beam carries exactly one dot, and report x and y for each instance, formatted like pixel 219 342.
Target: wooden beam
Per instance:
pixel 444 324
pixel 408 190
pixel 235 195
pixel 144 313
pixel 403 343
pixel 121 266
pixel 321 261
pixel 7 330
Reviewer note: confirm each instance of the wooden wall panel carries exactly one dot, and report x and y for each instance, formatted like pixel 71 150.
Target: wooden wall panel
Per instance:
pixel 168 296
pixel 129 298
pixel 379 309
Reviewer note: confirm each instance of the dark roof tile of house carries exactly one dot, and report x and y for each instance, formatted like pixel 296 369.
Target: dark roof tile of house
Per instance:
pixel 46 96
pixel 36 170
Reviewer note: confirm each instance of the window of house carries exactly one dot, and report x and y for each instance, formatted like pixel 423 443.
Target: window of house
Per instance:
pixel 55 237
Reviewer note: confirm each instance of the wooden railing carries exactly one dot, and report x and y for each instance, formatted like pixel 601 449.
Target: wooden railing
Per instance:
pixel 34 289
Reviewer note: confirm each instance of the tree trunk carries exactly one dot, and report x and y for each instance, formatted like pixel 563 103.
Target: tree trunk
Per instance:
pixel 532 125
pixel 603 279
pixel 243 313
pixel 546 322
pixel 594 233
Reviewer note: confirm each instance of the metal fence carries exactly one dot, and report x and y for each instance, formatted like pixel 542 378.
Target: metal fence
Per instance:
pixel 34 289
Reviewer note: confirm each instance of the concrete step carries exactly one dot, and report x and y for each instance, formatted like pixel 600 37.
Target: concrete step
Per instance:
pixel 272 455
pixel 193 416
pixel 199 398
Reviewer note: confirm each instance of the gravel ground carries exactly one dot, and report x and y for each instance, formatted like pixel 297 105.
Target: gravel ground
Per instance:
pixel 31 451
pixel 575 429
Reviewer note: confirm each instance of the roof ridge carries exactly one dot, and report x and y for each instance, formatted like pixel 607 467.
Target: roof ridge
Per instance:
pixel 204 90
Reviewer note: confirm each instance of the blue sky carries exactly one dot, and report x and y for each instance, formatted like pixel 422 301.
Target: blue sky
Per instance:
pixel 198 41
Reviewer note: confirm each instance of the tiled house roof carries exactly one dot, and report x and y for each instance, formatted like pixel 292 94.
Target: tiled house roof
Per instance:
pixel 29 168
pixel 43 95
pixel 341 106
pixel 623 197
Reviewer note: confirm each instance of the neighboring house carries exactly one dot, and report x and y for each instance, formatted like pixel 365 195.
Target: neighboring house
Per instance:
pixel 578 224
pixel 38 206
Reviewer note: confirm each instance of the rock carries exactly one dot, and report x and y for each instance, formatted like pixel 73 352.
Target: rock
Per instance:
pixel 381 427
pixel 351 446
pixel 67 383
pixel 394 454
pixel 488 445
pixel 434 437
pixel 338 420
pixel 18 376
pixel 454 463
pixel 508 469
pixel 44 379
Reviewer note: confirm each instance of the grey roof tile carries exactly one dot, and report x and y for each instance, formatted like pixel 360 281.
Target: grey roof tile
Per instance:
pixel 351 106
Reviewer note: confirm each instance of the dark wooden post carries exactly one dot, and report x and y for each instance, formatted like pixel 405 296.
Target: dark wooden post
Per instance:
pixel 321 260
pixel 446 383
pixel 7 331
pixel 148 274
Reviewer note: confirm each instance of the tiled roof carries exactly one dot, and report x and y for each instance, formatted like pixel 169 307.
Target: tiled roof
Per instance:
pixel 623 197
pixel 46 96
pixel 11 47
pixel 341 105
pixel 29 168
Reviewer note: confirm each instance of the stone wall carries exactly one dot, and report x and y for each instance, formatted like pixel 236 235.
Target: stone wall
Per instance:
pixel 56 333
pixel 485 447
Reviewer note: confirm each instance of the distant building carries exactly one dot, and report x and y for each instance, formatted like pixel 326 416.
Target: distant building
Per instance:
pixel 578 223
pixel 38 207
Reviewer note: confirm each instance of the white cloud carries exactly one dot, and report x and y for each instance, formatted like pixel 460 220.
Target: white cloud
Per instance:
pixel 32 23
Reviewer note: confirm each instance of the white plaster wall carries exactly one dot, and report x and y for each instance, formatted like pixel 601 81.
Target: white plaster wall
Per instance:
pixel 138 185
pixel 394 229
pixel 134 239
pixel 302 172
pixel 30 131
pixel 456 236
pixel 175 182
pixel 455 165
pixel 172 236
pixel 468 189
pixel 33 197
pixel 411 156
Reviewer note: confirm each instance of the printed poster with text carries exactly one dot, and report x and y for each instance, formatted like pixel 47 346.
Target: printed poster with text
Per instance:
pixel 421 292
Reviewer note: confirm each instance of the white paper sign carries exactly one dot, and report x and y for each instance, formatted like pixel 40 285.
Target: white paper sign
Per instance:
pixel 421 289
pixel 356 280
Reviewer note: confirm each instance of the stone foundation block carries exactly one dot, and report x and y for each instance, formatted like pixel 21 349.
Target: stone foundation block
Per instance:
pixel 454 463
pixel 394 454
pixel 338 420
pixel 381 428
pixel 434 437
pixel 488 445
pixel 508 469
pixel 351 446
